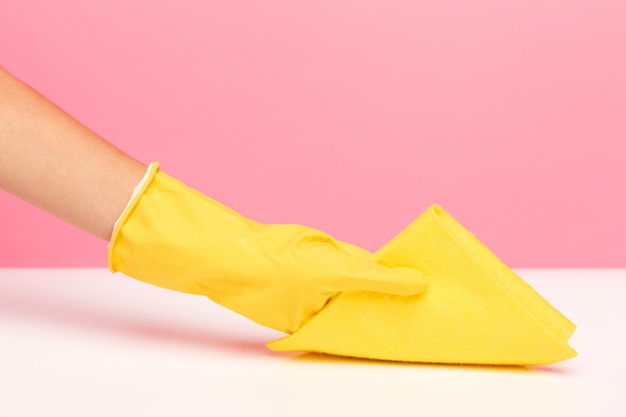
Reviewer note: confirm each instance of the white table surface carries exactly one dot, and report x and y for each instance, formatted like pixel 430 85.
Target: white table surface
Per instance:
pixel 84 342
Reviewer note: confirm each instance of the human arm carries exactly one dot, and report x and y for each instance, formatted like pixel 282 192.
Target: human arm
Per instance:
pixel 171 235
pixel 57 164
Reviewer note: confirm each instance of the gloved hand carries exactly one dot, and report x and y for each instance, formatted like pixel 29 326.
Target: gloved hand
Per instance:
pixel 278 275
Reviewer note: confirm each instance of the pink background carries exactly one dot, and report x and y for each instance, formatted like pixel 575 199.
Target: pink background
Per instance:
pixel 351 116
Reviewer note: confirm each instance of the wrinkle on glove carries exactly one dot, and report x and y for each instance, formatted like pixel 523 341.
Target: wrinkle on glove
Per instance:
pixel 475 310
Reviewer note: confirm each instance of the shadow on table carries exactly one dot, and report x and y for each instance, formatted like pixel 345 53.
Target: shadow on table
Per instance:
pixel 100 320
pixel 321 358
pixel 151 328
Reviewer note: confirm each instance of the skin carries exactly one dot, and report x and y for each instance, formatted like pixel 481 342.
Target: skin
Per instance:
pixel 57 164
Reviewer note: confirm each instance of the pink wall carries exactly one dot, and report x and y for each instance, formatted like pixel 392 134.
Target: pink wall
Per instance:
pixel 347 115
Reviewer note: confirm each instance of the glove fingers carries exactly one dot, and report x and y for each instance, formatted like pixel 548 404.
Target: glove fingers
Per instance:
pixel 379 278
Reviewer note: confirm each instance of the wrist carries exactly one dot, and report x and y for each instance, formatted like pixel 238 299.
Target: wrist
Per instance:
pixel 151 170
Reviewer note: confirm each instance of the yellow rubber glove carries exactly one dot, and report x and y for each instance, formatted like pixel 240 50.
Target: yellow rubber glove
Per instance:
pixel 475 310
pixel 278 275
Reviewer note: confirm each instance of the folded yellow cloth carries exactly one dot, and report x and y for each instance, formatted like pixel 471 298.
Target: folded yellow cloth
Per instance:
pixel 475 310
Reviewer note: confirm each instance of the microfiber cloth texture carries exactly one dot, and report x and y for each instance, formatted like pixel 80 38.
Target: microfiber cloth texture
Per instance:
pixel 475 309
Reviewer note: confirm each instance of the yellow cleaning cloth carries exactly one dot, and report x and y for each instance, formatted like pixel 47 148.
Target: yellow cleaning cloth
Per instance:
pixel 475 310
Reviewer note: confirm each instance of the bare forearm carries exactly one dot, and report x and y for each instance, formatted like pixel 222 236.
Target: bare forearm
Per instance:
pixel 54 162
